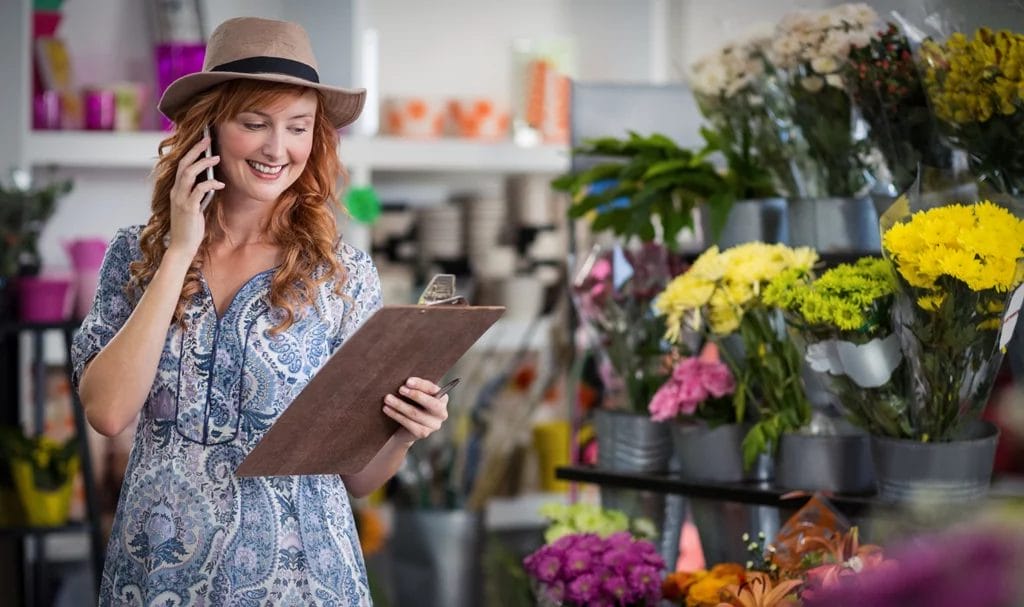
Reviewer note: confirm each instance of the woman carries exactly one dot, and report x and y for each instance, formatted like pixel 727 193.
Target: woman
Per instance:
pixel 209 322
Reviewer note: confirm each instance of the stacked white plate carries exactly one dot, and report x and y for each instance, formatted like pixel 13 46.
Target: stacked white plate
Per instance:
pixel 489 257
pixel 440 232
pixel 532 199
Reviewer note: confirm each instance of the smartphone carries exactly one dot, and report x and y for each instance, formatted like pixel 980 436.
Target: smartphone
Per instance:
pixel 209 170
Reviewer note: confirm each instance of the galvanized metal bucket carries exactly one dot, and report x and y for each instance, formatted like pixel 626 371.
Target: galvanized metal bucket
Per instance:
pixel 436 558
pixel 839 463
pixel 631 442
pixel 959 470
pixel 834 225
pixel 714 455
pixel 761 219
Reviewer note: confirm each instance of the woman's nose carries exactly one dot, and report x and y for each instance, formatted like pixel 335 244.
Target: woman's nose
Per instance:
pixel 273 146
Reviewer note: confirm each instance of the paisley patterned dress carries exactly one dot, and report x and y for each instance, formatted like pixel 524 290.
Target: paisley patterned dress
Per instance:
pixel 187 531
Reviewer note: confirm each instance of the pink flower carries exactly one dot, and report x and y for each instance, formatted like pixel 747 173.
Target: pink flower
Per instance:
pixel 717 379
pixel 665 404
pixel 602 270
pixel 692 392
pixel 686 369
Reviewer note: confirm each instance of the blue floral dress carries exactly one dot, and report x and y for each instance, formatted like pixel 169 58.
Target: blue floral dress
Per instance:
pixel 187 531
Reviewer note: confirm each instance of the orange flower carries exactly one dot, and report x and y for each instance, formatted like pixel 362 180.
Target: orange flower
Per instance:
pixel 709 590
pixel 677 584
pixel 760 591
pixel 371 530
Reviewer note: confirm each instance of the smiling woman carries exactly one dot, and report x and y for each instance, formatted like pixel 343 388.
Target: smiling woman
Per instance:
pixel 209 321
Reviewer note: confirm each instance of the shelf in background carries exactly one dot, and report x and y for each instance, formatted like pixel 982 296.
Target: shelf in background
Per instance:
pixel 29 531
pixel 35 327
pixel 138 150
pixel 763 494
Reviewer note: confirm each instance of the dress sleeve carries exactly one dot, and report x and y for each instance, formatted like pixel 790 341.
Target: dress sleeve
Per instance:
pixel 363 287
pixel 110 307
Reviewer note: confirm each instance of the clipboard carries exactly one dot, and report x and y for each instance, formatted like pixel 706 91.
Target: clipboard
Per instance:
pixel 337 423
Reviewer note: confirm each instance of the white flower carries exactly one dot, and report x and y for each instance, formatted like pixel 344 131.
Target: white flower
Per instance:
pixel 834 80
pixel 824 65
pixel 812 84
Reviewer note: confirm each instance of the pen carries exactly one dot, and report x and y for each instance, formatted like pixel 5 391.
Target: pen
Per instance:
pixel 445 389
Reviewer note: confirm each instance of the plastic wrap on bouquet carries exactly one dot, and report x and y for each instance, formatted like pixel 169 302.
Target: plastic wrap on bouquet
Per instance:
pixel 959 269
pixel 974 86
pixel 613 293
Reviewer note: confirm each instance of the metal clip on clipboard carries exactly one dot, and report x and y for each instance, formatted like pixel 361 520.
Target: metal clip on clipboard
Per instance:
pixel 440 291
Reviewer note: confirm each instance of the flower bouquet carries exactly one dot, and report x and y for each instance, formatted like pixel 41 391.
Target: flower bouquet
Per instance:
pixel 613 294
pixel 884 82
pixel 702 588
pixel 728 85
pixel 564 519
pixel 811 48
pixel 959 269
pixel 976 90
pixel 585 569
pixel 700 388
pixel 841 319
pixel 722 294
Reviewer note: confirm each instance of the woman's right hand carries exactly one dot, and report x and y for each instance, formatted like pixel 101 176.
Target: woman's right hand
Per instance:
pixel 187 222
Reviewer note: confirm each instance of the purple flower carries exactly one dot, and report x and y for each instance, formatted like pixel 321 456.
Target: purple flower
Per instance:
pixel 977 569
pixel 584 589
pixel 576 562
pixel 615 587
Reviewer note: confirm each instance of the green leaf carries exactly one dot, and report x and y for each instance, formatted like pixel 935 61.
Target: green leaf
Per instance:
pixel 718 207
pixel 666 166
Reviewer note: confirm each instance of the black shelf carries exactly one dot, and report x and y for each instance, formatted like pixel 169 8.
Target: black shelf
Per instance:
pixel 31 531
pixel 757 493
pixel 13 328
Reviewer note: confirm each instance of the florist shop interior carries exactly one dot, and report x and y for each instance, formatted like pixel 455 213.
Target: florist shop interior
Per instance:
pixel 761 265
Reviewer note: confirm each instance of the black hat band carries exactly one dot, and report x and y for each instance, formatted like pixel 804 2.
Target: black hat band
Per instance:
pixel 270 65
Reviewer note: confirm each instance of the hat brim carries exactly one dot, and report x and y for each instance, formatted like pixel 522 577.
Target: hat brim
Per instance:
pixel 343 106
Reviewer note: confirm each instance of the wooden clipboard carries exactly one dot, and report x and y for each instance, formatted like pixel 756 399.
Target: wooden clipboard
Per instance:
pixel 336 424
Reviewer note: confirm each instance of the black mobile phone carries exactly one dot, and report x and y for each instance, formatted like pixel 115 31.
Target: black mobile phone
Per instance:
pixel 209 170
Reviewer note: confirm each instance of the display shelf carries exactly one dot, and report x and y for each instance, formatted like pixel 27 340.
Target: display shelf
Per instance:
pixel 10 328
pixel 73 527
pixel 757 493
pixel 138 150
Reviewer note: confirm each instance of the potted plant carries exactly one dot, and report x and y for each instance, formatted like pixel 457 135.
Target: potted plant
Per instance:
pixel 721 295
pixel 728 85
pixel 841 323
pixel 24 210
pixel 830 212
pixel 958 276
pixel 644 187
pixel 43 471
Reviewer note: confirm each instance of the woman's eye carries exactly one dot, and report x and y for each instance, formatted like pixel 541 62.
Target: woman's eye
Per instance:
pixel 252 126
pixel 298 130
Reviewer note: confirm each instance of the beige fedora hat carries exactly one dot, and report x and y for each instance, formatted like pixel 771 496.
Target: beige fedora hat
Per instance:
pixel 262 49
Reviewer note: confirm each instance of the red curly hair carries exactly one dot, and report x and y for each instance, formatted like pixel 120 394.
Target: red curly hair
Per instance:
pixel 303 222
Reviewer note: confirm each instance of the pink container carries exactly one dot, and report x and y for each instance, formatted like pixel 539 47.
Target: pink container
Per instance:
pixel 99 109
pixel 86 253
pixel 46 110
pixel 174 60
pixel 44 298
pixel 86 258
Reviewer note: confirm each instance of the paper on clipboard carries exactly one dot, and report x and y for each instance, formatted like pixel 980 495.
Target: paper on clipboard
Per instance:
pixel 336 424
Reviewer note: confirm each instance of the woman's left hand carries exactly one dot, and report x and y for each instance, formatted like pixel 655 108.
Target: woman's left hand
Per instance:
pixel 421 420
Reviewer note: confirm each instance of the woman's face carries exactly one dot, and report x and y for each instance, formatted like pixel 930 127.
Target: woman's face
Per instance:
pixel 264 150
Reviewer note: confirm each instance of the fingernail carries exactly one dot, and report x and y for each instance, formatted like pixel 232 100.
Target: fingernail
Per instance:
pixel 403 390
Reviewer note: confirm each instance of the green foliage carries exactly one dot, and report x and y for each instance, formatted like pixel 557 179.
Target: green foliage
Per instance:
pixel 52 462
pixel 657 177
pixel 23 213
